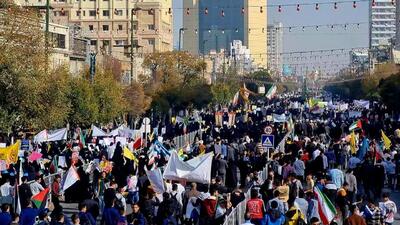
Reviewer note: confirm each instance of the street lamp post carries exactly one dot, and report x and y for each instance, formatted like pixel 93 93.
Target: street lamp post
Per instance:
pixel 181 31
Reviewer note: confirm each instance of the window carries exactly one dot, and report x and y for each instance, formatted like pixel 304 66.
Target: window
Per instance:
pixel 58 40
pixel 150 26
pixel 106 43
pixel 91 27
pixel 84 12
pixel 151 41
pixel 134 26
pixel 106 12
pixel 105 27
pixel 118 12
pixel 93 42
pixel 78 13
pixel 120 27
pixel 92 12
pixel 120 42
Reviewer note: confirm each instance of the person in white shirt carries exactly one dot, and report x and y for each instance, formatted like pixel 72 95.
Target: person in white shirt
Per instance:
pixel 388 208
pixel 36 187
pixel 6 193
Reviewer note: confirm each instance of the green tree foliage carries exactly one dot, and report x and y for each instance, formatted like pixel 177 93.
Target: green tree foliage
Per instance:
pixel 389 90
pixel 109 96
pixel 34 96
pixel 84 108
pixel 175 82
pixel 351 87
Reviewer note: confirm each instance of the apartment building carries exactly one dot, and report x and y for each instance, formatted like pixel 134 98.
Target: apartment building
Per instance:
pixel 212 26
pixel 107 24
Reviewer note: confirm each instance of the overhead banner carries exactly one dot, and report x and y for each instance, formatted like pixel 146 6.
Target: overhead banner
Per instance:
pixel 115 132
pixel 97 132
pixel 361 104
pixel 197 169
pixel 53 135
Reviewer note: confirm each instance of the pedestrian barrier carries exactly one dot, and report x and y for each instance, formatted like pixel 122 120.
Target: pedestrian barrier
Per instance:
pixel 236 217
pixel 183 140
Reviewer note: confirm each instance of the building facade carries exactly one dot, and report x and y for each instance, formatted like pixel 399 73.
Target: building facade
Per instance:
pixel 382 16
pixel 211 26
pixel 240 57
pixel 275 48
pixel 107 24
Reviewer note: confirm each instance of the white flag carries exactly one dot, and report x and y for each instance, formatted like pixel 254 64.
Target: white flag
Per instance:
pixel 156 180
pixel 71 178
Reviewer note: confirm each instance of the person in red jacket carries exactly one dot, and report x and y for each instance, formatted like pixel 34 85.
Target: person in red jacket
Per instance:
pixel 208 208
pixel 255 207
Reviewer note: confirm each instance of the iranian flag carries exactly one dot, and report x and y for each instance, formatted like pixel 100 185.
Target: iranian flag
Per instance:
pixel 271 92
pixel 355 125
pixel 326 209
pixel 40 199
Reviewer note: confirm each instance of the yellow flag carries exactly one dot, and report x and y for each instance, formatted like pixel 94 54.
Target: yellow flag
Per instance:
pixel 386 141
pixel 180 152
pixel 10 153
pixel 128 154
pixel 4 153
pixel 353 143
pixel 151 136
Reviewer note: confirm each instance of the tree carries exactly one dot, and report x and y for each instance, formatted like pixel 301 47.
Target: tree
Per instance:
pixel 223 93
pixel 136 100
pixel 109 96
pixel 32 96
pixel 175 81
pixel 389 90
pixel 84 108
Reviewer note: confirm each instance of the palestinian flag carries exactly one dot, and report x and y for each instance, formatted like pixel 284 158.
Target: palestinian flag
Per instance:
pixel 40 199
pixel 326 209
pixel 355 125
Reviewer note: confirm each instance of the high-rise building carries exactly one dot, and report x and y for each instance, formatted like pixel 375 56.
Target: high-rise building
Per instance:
pixel 107 23
pixel 275 47
pixel 382 16
pixel 210 25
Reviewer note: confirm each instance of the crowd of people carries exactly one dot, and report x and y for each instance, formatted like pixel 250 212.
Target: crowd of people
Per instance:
pixel 320 155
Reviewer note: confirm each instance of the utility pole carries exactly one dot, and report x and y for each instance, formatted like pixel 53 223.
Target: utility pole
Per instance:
pixel 47 32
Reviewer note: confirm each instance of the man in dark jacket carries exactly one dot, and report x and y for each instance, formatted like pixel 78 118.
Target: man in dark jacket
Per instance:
pixel 85 217
pixel 136 215
pixel 24 192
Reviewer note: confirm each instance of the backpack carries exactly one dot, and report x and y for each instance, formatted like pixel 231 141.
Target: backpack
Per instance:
pixel 176 204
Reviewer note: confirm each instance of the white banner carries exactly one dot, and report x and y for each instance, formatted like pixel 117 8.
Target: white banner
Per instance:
pixel 156 180
pixel 54 135
pixel 97 132
pixel 197 169
pixel 361 104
